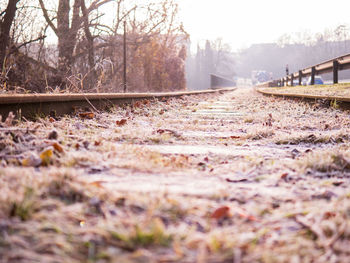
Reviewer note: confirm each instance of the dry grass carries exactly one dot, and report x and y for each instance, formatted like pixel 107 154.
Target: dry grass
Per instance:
pixel 274 186
pixel 338 90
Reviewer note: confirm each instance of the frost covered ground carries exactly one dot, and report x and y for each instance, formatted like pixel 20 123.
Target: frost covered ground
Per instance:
pixel 234 177
pixel 335 90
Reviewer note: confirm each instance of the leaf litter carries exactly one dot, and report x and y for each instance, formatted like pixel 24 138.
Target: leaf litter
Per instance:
pixel 94 188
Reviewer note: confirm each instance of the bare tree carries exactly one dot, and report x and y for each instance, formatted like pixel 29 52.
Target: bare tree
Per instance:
pixel 6 19
pixel 67 28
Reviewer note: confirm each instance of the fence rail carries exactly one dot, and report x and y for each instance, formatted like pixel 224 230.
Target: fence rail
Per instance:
pixel 218 82
pixel 333 65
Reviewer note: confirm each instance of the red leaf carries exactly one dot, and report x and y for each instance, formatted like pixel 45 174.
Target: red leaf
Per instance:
pixel 284 176
pixel 57 147
pixel 221 212
pixel 121 122
pixel 137 104
pixel 87 115
pixel 248 217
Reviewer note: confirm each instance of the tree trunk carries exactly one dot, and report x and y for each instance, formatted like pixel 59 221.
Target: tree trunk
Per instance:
pixel 90 46
pixel 67 35
pixel 5 26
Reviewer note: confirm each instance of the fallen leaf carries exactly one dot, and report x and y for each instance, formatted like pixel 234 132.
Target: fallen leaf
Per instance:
pixel 248 217
pixel 87 115
pixel 174 133
pixel 46 156
pixel 32 161
pixel 328 195
pixel 137 104
pixel 97 184
pixel 235 137
pixel 221 212
pixel 236 181
pixel 51 119
pixel 202 166
pixel 53 135
pixel 284 176
pixel 121 122
pixel 329 214
pixel 57 147
pixel 86 144
pixel 338 183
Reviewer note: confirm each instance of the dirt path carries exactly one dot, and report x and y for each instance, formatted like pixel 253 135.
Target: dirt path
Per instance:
pixel 236 177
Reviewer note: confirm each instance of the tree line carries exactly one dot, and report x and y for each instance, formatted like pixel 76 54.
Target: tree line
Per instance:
pixel 298 51
pixel 215 57
pixel 77 45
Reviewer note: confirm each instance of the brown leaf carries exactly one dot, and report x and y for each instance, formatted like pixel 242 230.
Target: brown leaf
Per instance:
pixel 284 176
pixel 174 133
pixel 57 147
pixel 87 115
pixel 248 217
pixel 146 102
pixel 137 104
pixel 329 214
pixel 221 212
pixel 97 184
pixel 242 180
pixel 52 120
pixel 53 135
pixel 235 137
pixel 121 122
pixel 338 183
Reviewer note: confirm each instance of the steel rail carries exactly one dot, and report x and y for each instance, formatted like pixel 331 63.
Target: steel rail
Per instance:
pixel 342 102
pixel 33 105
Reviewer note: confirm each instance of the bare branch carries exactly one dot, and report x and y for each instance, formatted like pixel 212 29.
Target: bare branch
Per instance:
pixel 46 16
pixel 14 49
pixel 96 4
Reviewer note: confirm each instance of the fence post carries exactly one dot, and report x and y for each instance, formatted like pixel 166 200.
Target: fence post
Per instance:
pixel 335 71
pixel 291 80
pixel 300 77
pixel 313 73
pixel 124 57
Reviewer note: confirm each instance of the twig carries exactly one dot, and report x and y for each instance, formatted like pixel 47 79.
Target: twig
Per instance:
pixel 334 239
pixel 17 129
pixel 14 49
pixel 310 227
pixel 91 104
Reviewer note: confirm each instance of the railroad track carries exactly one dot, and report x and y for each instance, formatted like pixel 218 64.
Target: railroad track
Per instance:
pixel 33 105
pixel 325 95
pixel 232 177
pixel 278 87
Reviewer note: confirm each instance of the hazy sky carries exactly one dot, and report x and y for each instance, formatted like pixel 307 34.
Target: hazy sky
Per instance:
pixel 243 22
